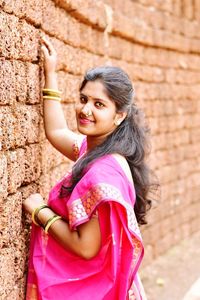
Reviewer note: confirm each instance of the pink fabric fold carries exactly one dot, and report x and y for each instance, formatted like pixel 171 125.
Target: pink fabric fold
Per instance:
pixel 55 273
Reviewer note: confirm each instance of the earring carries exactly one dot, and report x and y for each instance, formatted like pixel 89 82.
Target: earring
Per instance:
pixel 117 123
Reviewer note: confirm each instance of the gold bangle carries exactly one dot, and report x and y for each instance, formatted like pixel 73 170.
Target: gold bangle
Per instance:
pixel 49 93
pixel 50 222
pixel 52 90
pixel 52 98
pixel 35 213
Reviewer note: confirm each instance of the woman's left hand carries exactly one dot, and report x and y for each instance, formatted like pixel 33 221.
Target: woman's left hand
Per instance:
pixel 32 202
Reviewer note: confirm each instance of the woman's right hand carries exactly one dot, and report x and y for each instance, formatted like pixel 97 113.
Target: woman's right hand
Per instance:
pixel 50 56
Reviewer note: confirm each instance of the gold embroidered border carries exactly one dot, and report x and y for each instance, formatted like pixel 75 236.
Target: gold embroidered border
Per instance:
pixel 81 208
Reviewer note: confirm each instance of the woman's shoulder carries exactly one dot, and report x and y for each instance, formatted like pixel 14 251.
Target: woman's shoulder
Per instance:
pixel 112 166
pixel 121 160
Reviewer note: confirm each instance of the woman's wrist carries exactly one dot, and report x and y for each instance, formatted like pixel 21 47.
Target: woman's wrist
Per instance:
pixel 51 80
pixel 50 74
pixel 45 214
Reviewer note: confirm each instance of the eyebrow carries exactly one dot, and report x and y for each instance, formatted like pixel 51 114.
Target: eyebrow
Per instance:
pixel 95 99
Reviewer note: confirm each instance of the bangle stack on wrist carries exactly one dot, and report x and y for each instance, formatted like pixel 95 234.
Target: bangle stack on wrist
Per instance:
pixel 49 222
pixel 50 94
pixel 35 213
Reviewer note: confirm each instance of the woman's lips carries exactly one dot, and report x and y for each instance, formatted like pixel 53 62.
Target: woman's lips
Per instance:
pixel 85 121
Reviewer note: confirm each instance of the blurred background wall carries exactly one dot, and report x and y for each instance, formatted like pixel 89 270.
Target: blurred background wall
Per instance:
pixel 158 44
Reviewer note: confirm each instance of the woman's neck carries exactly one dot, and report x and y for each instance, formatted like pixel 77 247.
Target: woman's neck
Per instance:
pixel 93 141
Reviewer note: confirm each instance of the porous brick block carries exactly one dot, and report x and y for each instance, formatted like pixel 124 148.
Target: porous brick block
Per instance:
pixel 189 212
pixel 59 171
pixel 181 76
pixel 18 39
pixel 3 179
pixel 15 8
pixel 7 82
pixel 163 244
pixel 188 9
pixel 143 33
pixel 27 46
pixel 149 255
pixel 94 41
pixel 45 185
pixel 74 60
pixel 165 226
pixel 87 11
pixel 68 57
pixel 185 228
pixel 190 29
pixel 19 288
pixel 197 10
pixel 8 36
pixel 42 135
pixel 10 225
pixel 20 71
pixel 7 267
pixel 33 83
pixel 60 24
pixel 172 24
pixel 34 11
pixel 177 8
pixel 20 256
pixel 119 49
pixel 70 116
pixel 51 177
pixel 153 233
pixel 195 195
pixel 176 235
pixel 28 121
pixel 50 157
pixel 69 85
pixel 158 159
pixel 32 163
pixel 31 10
pixel 168 174
pixel 7 125
pixel 15 169
pixel 195 225
pixel 20 82
pixel 28 189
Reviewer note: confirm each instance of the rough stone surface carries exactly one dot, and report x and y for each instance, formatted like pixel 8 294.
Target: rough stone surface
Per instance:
pixel 158 44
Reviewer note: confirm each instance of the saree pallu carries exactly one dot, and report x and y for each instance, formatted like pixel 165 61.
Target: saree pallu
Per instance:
pixel 57 274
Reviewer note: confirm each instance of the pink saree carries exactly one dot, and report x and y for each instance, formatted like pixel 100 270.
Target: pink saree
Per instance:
pixel 56 274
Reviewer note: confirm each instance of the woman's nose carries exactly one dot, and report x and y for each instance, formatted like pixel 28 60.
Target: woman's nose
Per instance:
pixel 86 108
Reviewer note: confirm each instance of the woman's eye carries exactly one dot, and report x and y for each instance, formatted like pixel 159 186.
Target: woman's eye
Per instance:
pixel 83 100
pixel 99 104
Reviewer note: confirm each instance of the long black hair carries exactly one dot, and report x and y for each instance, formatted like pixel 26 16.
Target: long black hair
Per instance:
pixel 129 139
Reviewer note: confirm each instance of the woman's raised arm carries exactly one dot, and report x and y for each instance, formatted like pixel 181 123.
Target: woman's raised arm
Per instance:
pixel 56 129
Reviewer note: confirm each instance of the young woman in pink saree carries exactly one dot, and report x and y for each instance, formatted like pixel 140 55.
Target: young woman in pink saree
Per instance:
pixel 93 247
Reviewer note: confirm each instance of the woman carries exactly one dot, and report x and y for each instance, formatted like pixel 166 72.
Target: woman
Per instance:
pixel 91 246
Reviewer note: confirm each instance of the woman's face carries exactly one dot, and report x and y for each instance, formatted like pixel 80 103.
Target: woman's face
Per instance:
pixel 95 112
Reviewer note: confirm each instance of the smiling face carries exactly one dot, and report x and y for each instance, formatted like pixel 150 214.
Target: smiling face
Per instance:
pixel 95 112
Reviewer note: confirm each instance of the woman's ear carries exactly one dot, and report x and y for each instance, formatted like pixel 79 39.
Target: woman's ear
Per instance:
pixel 120 116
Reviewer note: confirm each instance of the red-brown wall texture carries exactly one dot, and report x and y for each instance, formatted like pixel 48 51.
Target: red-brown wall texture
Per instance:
pixel 158 44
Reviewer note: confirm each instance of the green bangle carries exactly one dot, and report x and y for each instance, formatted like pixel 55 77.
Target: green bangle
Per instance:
pixel 50 222
pixel 36 212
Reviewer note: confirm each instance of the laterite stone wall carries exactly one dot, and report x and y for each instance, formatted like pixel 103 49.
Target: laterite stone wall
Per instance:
pixel 158 44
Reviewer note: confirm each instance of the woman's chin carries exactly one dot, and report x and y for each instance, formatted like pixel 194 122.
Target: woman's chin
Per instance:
pixel 84 130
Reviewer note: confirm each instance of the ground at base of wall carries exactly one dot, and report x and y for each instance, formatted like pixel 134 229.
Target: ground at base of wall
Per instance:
pixel 171 276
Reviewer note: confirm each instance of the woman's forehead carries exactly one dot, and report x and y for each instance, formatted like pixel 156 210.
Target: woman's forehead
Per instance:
pixel 96 90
